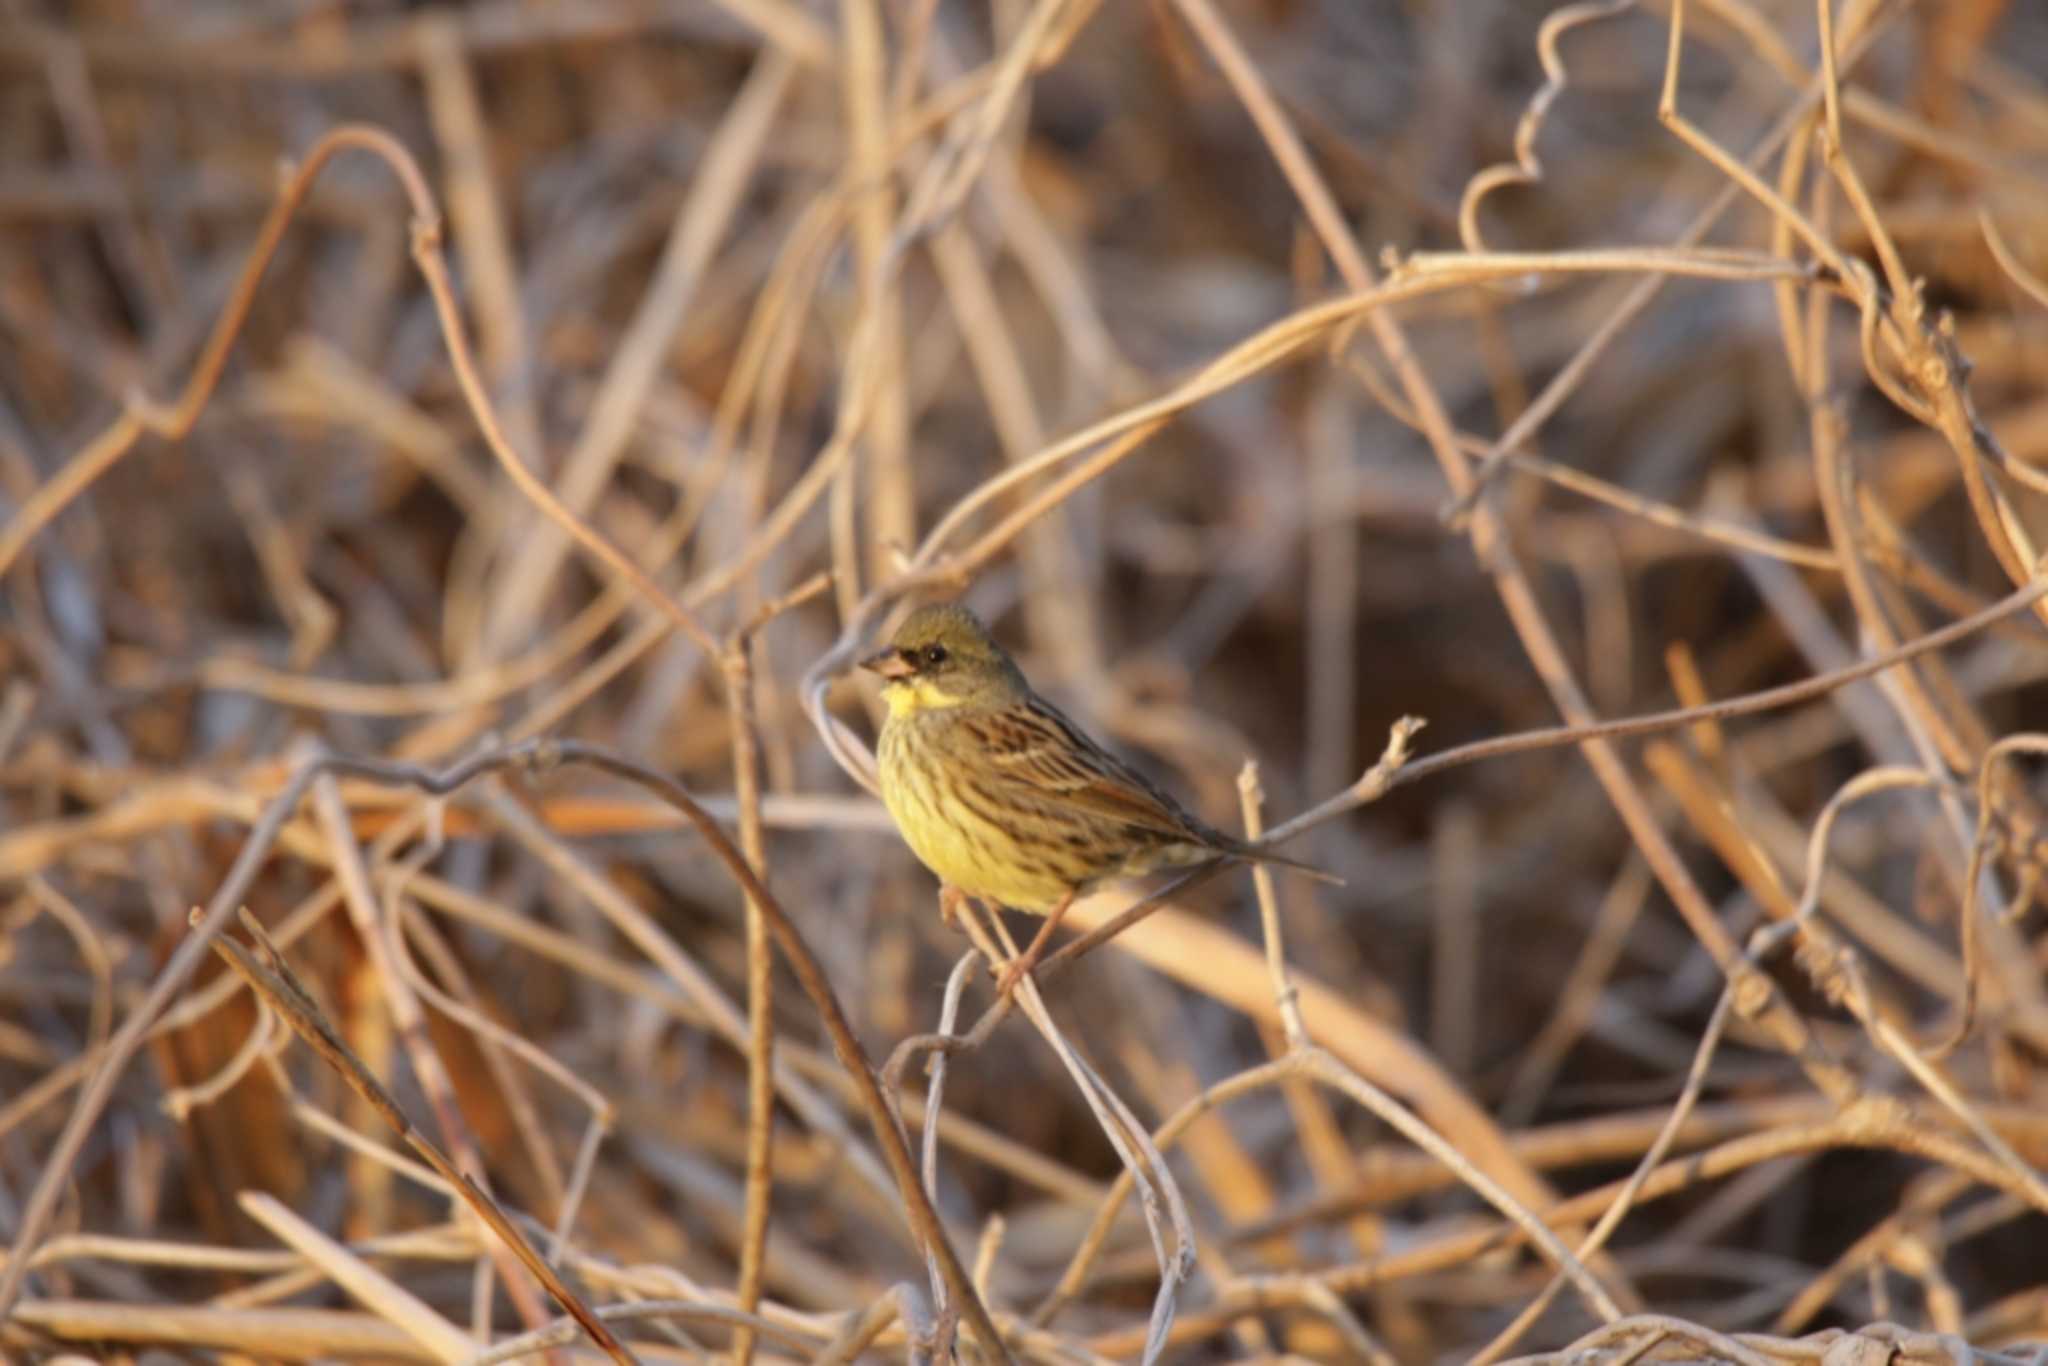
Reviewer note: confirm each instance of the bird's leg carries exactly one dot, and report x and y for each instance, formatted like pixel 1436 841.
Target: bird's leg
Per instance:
pixel 1027 960
pixel 952 903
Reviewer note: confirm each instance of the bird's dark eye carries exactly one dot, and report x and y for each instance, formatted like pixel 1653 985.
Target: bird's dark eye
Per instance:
pixel 934 655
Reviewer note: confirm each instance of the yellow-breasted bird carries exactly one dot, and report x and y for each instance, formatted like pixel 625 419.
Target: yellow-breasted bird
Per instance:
pixel 1003 797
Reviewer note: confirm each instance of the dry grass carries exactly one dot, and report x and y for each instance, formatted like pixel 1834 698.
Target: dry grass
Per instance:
pixel 448 552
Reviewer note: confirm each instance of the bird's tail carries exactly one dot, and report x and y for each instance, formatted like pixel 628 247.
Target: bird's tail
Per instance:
pixel 1258 853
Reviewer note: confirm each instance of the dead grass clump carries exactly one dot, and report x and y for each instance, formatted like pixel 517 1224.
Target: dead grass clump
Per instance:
pixel 450 456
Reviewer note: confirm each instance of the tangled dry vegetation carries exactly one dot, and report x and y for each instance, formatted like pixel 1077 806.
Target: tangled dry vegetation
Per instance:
pixel 441 916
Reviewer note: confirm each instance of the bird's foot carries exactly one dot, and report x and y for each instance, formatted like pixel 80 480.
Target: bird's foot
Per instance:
pixel 1020 966
pixel 1016 972
pixel 952 905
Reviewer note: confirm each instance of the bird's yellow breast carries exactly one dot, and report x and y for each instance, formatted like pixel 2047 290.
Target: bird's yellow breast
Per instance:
pixel 963 846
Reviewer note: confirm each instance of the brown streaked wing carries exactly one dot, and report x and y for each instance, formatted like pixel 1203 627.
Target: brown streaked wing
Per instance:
pixel 1035 748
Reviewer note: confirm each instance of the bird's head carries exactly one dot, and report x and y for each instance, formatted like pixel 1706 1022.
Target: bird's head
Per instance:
pixel 942 656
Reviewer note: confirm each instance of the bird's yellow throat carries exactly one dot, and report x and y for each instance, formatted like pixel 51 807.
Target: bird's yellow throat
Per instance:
pixel 909 696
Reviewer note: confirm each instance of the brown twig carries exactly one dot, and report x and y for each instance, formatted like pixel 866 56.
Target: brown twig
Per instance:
pixel 271 978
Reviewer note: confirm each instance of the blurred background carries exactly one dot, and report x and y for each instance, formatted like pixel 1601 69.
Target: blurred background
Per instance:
pixel 763 289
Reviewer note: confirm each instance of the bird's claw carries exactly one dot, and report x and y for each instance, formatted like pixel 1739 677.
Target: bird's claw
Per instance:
pixel 1016 972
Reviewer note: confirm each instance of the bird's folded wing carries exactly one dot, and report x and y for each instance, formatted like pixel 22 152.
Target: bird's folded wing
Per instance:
pixel 1037 753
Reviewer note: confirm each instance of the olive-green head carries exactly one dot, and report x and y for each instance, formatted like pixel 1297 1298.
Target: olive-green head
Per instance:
pixel 942 656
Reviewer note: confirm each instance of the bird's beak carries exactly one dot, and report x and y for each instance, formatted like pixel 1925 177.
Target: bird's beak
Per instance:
pixel 889 663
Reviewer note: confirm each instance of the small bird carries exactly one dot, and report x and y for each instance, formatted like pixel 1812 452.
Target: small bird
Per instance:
pixel 1005 799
